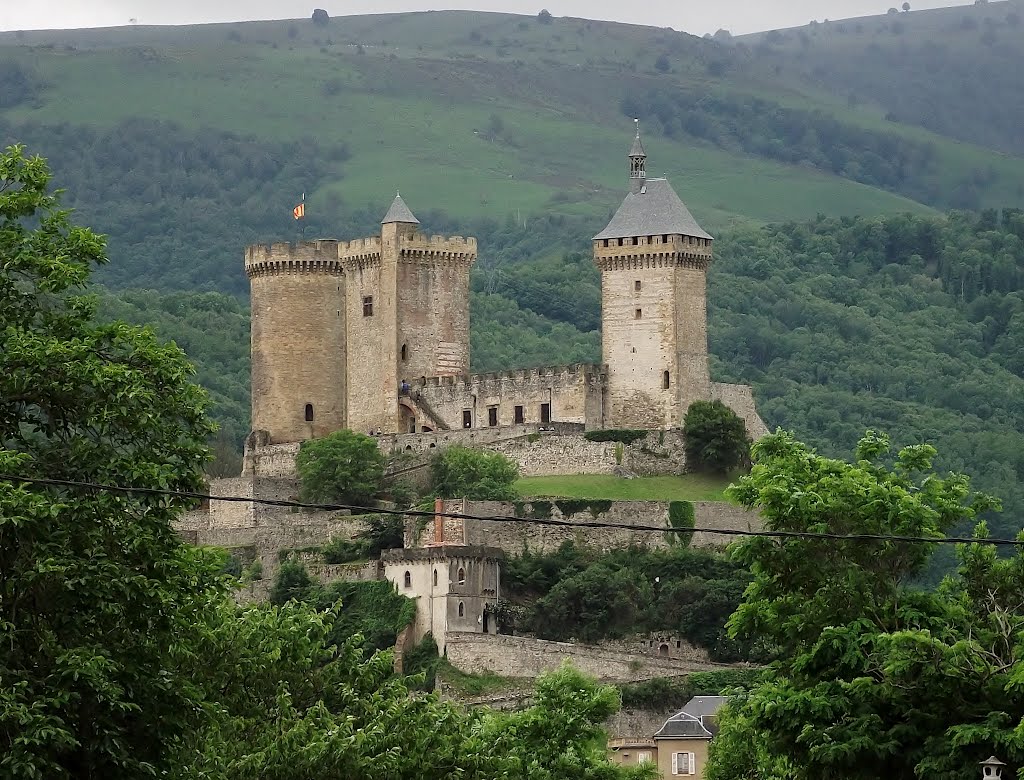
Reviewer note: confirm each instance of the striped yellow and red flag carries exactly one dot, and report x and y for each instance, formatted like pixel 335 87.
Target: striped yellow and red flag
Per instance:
pixel 299 211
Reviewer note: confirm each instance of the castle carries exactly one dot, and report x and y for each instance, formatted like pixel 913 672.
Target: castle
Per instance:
pixel 373 334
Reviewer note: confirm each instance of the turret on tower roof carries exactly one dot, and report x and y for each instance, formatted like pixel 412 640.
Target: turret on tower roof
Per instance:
pixel 399 212
pixel 651 207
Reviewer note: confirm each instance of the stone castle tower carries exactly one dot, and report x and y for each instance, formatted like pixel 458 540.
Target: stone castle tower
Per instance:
pixel 653 258
pixel 338 326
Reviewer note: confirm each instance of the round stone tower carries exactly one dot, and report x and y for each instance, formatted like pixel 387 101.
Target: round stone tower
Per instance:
pixel 297 299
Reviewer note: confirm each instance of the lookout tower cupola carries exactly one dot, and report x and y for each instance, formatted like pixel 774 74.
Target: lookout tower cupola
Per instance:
pixel 637 162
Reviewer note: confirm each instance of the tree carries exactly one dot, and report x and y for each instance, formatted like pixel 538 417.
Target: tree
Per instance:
pixel 321 18
pixel 892 11
pixel 906 7
pixel 544 17
pixel 662 64
pixel 873 676
pixel 461 472
pixel 343 467
pixel 97 592
pixel 716 439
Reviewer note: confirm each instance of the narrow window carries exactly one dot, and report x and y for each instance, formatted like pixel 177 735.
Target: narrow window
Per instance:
pixel 309 412
pixel 405 353
pixel 519 415
pixel 408 580
pixel 467 418
pixel 368 306
pixel 638 314
pixel 664 239
pixel 545 413
pixel 637 286
pixel 435 578
pixel 634 350
pixel 462 576
pixel 462 609
pixel 667 380
pixel 492 416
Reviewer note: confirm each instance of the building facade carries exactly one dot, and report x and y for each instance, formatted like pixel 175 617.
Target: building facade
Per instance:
pixel 373 334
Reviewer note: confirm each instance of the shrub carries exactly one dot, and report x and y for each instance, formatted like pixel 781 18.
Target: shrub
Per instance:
pixel 544 17
pixel 716 438
pixel 681 515
pixel 344 467
pixel 422 660
pixel 460 472
pixel 320 17
pixel 623 436
pixel 292 583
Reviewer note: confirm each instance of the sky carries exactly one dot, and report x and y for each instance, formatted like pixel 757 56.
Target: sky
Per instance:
pixel 693 16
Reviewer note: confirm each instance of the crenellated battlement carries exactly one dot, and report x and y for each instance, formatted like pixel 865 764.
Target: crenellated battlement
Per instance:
pixel 652 252
pixel 359 247
pixel 422 248
pixel 544 375
pixel 320 256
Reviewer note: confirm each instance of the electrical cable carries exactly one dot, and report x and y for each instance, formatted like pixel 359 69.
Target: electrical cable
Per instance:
pixel 548 521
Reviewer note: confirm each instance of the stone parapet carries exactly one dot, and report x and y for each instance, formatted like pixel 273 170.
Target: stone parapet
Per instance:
pixel 517 656
pixel 302 257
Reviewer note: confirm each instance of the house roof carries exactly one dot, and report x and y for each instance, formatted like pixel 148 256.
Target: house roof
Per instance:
pixel 654 210
pixel 399 212
pixel 689 721
pixel 701 706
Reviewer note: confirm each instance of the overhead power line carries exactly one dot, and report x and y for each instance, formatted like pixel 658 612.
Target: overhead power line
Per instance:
pixel 549 521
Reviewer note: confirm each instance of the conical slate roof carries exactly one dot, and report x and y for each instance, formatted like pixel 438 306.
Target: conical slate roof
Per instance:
pixel 637 149
pixel 399 212
pixel 654 210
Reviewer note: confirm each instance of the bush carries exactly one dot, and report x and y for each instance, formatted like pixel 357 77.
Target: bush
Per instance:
pixel 460 472
pixel 544 17
pixel 320 17
pixel 292 583
pixel 716 439
pixel 344 467
pixel 681 515
pixel 623 436
pixel 423 659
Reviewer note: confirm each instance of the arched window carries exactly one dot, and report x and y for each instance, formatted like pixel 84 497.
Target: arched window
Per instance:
pixel 462 609
pixel 408 579
pixel 309 412
pixel 435 578
pixel 405 353
pixel 462 576
pixel 667 380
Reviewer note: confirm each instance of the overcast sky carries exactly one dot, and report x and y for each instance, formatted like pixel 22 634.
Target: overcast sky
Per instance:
pixel 694 16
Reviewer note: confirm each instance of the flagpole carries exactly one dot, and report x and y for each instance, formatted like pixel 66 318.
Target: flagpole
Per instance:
pixel 303 220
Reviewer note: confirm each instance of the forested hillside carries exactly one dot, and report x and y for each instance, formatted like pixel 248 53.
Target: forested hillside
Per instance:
pixel 185 144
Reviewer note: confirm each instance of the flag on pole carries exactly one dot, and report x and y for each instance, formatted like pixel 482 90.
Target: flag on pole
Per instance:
pixel 299 211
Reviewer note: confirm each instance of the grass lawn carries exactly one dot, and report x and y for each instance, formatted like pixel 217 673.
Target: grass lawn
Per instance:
pixel 687 487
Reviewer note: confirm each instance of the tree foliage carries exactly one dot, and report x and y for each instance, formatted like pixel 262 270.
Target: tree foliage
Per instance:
pixel 97 592
pixel 716 438
pixel 461 472
pixel 343 467
pixel 873 676
pixel 592 595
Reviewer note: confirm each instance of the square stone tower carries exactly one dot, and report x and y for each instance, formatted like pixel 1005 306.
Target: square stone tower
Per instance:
pixel 653 258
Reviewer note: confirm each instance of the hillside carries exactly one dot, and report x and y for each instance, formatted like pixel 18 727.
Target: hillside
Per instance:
pixel 184 144
pixel 932 68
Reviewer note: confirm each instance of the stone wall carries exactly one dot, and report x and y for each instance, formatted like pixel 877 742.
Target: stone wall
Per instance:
pixel 571 394
pixel 660 453
pixel 517 656
pixel 513 537
pixel 740 398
